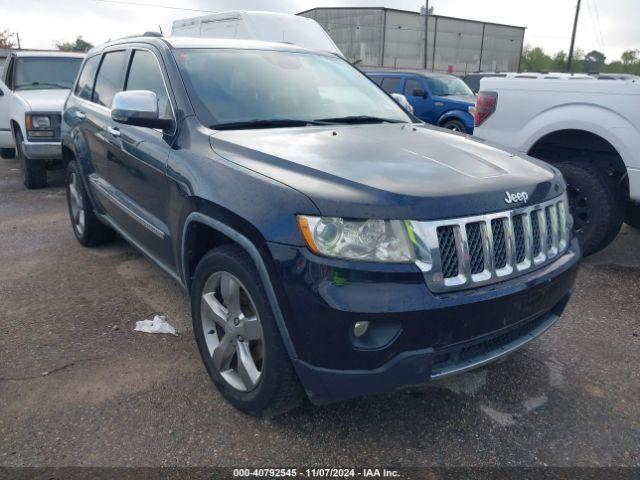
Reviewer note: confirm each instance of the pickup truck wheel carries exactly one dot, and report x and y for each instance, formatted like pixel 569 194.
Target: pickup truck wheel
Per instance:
pixel 454 125
pixel 596 209
pixel 633 215
pixel 237 335
pixel 7 152
pixel 34 172
pixel 87 228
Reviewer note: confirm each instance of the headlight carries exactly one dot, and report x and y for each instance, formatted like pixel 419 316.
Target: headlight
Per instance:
pixel 367 240
pixel 38 122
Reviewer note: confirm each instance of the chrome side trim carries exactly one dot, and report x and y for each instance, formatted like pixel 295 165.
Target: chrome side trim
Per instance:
pixel 104 191
pixel 552 212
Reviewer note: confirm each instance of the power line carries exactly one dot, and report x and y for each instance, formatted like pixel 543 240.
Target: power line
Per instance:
pixel 137 4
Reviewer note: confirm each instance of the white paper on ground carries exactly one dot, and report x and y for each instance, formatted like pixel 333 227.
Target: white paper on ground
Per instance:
pixel 157 324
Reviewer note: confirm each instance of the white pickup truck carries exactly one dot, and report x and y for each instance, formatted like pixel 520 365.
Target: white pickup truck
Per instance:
pixel 588 128
pixel 33 89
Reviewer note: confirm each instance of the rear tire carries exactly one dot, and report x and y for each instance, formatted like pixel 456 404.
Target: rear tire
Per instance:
pixel 34 172
pixel 88 229
pixel 596 208
pixel 277 388
pixel 633 215
pixel 455 126
pixel 7 152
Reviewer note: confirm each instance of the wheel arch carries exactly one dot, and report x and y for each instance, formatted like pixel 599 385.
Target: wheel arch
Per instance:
pixel 583 145
pixel 198 226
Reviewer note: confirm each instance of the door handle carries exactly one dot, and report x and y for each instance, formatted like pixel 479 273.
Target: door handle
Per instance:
pixel 113 131
pixel 80 115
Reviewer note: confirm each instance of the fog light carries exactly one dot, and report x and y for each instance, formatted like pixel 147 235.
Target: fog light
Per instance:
pixel 360 328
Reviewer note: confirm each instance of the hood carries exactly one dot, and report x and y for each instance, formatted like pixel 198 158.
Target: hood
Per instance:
pixel 45 100
pixel 466 99
pixel 390 170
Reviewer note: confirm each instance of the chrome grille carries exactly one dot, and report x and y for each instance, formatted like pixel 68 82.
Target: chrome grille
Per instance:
pixel 468 252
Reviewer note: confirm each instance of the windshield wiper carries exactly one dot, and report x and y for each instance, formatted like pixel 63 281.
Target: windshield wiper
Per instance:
pixel 266 123
pixel 42 84
pixel 354 119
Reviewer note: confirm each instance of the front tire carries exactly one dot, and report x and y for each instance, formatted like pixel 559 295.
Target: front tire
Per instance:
pixel 34 172
pixel 238 337
pixel 87 228
pixel 454 126
pixel 596 208
pixel 7 152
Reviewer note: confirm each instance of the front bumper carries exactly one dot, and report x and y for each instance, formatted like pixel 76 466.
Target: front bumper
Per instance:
pixel 437 334
pixel 42 150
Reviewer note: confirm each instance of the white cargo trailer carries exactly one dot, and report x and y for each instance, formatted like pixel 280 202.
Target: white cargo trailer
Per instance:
pixel 265 26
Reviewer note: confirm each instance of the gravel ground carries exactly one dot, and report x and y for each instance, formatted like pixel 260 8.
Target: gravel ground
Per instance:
pixel 79 387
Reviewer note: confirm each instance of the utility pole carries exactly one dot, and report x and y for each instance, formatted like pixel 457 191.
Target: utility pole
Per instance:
pixel 573 38
pixel 426 33
pixel 18 38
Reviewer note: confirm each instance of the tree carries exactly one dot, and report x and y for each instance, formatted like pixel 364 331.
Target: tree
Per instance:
pixel 629 59
pixel 559 62
pixel 79 45
pixel 5 39
pixel 535 60
pixel 595 60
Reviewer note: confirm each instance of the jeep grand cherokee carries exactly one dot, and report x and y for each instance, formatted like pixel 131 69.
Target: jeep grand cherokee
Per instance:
pixel 332 245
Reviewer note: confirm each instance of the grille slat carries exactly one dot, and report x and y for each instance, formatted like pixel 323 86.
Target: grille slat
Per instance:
pixel 448 252
pixel 518 232
pixel 535 233
pixel 476 252
pixel 518 241
pixel 499 243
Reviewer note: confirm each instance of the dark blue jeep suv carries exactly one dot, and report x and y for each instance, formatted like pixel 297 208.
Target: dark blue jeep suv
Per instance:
pixel 332 246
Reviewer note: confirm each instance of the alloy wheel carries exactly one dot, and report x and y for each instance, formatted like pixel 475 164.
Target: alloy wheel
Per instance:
pixel 232 331
pixel 76 204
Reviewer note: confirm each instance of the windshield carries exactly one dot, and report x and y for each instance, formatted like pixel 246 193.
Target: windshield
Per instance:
pixel 33 73
pixel 255 86
pixel 447 85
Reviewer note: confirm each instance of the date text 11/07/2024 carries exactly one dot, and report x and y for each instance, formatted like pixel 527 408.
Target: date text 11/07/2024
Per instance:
pixel 316 472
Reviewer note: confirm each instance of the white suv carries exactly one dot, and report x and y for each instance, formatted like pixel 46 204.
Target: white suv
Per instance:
pixel 33 88
pixel 588 128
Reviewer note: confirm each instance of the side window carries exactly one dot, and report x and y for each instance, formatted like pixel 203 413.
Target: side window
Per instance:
pixel 109 81
pixel 411 85
pixel 391 84
pixel 84 87
pixel 145 74
pixel 378 80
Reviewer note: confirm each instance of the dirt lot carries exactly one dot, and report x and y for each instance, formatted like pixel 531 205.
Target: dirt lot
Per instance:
pixel 79 387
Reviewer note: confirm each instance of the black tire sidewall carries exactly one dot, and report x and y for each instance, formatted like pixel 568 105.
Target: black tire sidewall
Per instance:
pixel 605 209
pixel 233 260
pixel 457 123
pixel 34 172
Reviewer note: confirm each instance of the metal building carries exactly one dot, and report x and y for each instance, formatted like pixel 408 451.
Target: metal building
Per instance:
pixel 389 38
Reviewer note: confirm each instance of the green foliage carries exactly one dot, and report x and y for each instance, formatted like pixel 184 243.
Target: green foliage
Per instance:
pixel 79 45
pixel 534 59
pixel 6 40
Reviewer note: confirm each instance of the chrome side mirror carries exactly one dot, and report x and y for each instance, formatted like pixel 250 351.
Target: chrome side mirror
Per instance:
pixel 139 108
pixel 402 101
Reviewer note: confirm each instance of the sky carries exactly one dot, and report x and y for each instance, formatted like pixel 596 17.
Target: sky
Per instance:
pixel 609 26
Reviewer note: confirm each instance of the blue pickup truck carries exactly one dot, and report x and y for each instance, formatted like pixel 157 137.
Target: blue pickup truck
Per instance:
pixel 437 98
